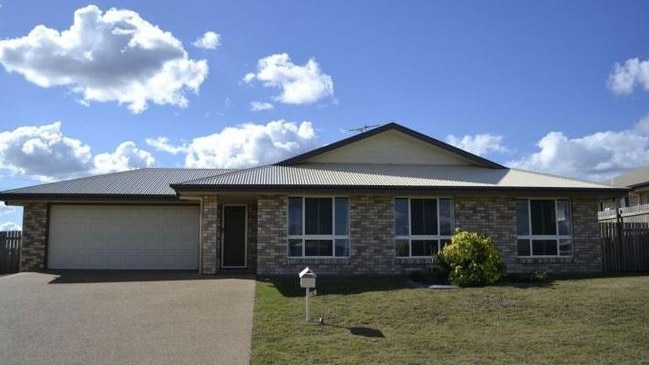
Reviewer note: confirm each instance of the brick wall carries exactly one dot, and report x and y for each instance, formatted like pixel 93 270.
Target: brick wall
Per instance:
pixel 32 252
pixel 372 237
pixel 210 243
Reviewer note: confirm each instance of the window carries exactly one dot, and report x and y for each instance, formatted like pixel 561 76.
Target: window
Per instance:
pixel 422 226
pixel 544 227
pixel 318 227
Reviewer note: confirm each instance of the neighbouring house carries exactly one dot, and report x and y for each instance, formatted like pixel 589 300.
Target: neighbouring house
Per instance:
pixel 632 206
pixel 380 202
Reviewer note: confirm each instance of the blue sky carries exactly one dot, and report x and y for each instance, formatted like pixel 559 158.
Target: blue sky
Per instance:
pixel 555 86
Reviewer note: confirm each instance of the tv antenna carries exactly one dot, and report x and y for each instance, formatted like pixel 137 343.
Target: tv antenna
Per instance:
pixel 362 129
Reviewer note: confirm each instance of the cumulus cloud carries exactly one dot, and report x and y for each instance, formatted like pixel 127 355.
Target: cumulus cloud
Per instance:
pixel 624 78
pixel 479 144
pixel 244 146
pixel 46 154
pixel 300 84
pixel 209 40
pixel 107 56
pixel 594 157
pixel 4 210
pixel 256 106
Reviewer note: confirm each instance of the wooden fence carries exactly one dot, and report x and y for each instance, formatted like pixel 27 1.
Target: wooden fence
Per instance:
pixel 10 251
pixel 625 247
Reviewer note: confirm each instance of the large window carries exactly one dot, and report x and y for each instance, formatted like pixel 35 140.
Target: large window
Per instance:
pixel 318 227
pixel 544 227
pixel 422 226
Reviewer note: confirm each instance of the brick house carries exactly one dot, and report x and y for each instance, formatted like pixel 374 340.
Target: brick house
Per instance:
pixel 380 202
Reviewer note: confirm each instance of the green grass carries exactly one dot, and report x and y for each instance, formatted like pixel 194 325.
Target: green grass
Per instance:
pixel 384 321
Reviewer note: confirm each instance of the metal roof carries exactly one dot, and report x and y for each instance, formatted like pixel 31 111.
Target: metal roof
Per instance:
pixel 148 183
pixel 632 179
pixel 385 176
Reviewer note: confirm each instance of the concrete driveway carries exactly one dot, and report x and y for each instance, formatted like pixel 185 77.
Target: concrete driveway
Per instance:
pixel 125 318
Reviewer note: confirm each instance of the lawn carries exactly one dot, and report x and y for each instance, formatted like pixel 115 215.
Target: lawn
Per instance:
pixel 386 321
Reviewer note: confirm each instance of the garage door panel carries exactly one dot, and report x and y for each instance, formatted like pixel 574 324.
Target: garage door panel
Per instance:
pixel 123 237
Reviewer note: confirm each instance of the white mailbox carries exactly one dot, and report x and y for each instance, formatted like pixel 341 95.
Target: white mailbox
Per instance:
pixel 307 278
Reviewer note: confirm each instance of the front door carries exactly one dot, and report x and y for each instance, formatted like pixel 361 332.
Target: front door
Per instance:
pixel 233 251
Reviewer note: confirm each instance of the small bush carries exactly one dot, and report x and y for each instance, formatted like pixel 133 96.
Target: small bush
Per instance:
pixel 471 259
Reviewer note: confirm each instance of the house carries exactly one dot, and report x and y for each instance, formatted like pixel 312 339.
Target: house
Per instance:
pixel 632 206
pixel 380 202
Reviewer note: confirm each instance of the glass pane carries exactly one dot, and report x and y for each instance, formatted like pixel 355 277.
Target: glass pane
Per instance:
pixel 401 227
pixel 446 217
pixel 295 248
pixel 544 248
pixel 342 216
pixel 565 247
pixel 563 217
pixel 403 248
pixel 543 217
pixel 318 216
pixel 342 247
pixel 294 216
pixel 423 248
pixel 523 247
pixel 423 216
pixel 318 248
pixel 522 218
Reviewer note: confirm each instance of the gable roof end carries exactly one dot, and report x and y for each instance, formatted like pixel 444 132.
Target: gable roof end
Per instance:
pixel 480 161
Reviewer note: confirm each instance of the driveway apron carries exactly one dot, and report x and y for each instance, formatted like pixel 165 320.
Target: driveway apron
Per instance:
pixel 125 318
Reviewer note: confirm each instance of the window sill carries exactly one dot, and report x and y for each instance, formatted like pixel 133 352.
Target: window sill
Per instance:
pixel 318 260
pixel 413 260
pixel 546 260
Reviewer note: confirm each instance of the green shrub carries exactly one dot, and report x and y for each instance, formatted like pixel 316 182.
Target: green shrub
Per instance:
pixel 471 259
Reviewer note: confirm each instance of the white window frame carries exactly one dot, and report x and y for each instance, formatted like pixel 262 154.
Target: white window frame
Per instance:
pixel 558 237
pixel 410 237
pixel 325 237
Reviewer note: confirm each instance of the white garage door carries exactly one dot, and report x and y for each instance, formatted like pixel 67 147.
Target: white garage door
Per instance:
pixel 123 237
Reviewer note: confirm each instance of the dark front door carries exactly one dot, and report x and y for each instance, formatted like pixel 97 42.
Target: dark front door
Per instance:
pixel 234 236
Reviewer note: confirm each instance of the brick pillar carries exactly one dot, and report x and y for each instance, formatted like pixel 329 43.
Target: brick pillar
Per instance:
pixel 210 243
pixel 32 251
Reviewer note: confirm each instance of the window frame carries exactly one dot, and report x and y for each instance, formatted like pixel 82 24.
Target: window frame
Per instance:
pixel 558 238
pixel 319 237
pixel 410 237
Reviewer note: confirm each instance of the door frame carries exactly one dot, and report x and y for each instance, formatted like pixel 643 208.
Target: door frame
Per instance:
pixel 245 235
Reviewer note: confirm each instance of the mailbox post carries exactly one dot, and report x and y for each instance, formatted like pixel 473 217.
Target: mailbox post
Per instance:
pixel 307 281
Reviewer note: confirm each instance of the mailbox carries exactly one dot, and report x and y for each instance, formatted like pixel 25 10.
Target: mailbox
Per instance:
pixel 307 278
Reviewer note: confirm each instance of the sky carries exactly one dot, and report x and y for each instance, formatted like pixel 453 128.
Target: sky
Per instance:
pixel 560 87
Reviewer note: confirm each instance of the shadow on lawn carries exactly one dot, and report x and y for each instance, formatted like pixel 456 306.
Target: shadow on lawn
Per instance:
pixel 289 286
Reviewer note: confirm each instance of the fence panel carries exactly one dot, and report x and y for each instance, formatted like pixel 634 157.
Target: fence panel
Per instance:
pixel 10 242
pixel 625 247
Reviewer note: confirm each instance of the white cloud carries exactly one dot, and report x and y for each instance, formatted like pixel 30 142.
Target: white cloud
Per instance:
pixel 111 56
pixel 304 84
pixel 244 146
pixel 256 106
pixel 46 154
pixel 479 144
pixel 209 40
pixel 594 157
pixel 127 156
pixel 10 226
pixel 163 144
pixel 624 78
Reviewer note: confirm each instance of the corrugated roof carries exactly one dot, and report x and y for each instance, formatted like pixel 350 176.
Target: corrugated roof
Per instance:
pixel 385 176
pixel 631 179
pixel 148 182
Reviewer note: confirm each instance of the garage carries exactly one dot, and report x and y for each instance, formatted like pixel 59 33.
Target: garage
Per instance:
pixel 123 237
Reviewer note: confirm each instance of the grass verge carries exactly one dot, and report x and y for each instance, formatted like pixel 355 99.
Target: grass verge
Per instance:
pixel 385 321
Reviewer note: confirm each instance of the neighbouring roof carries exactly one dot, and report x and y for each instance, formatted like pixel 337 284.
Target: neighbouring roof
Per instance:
pixel 148 183
pixel 633 179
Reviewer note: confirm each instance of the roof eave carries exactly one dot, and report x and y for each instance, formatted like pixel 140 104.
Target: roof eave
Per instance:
pixel 89 197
